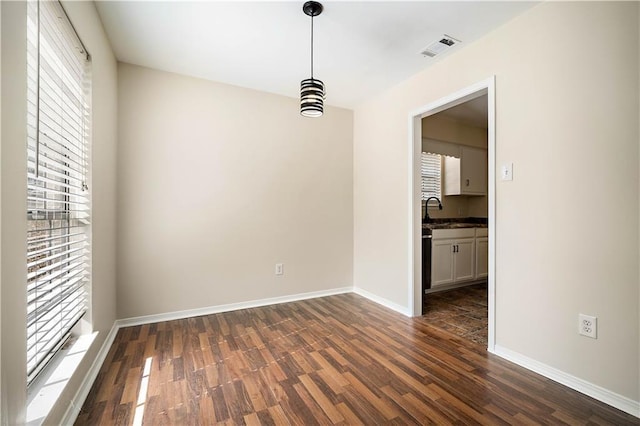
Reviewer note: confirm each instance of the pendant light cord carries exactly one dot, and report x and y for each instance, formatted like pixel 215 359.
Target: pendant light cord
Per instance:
pixel 312 46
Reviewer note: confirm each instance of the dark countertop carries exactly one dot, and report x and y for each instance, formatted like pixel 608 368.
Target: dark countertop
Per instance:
pixel 457 223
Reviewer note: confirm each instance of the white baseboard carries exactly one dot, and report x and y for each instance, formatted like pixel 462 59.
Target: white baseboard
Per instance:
pixel 169 316
pixel 83 391
pixel 384 302
pixel 601 394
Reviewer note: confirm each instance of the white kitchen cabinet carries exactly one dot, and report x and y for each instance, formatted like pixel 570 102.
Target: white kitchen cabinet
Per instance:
pixel 452 256
pixel 464 259
pixel 466 175
pixel 482 257
pixel 441 262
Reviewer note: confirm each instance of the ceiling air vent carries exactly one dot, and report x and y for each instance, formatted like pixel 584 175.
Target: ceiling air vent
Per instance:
pixel 443 44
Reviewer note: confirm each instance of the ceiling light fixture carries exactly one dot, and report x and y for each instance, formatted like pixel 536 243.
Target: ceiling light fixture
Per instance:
pixel 312 90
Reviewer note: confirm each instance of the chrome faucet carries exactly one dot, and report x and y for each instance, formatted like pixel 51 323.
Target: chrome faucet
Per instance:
pixel 426 207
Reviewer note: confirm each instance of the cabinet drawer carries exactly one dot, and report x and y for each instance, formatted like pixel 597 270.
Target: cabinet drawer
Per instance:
pixel 438 234
pixel 482 232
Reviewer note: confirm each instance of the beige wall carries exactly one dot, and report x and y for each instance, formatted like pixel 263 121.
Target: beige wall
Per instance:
pixel 14 225
pixel 478 206
pixel 446 129
pixel 567 225
pixel 13 172
pixel 460 206
pixel 217 184
pixel 3 419
pixel 442 128
pixel 453 206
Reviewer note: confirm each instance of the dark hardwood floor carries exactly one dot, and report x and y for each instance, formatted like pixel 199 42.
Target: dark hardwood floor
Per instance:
pixel 462 311
pixel 334 360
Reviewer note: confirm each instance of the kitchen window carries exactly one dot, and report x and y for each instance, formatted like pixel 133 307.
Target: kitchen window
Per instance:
pixel 58 200
pixel 431 171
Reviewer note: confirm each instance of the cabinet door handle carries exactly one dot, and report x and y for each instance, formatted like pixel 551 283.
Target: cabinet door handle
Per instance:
pixel 467 182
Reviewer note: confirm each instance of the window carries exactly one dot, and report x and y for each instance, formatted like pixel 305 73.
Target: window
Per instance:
pixel 431 171
pixel 58 202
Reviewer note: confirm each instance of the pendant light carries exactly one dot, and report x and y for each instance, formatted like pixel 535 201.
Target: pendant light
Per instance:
pixel 312 90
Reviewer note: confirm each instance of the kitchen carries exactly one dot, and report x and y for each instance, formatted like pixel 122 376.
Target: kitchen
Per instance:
pixel 454 225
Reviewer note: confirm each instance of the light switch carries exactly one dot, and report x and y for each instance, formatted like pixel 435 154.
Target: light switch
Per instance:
pixel 507 171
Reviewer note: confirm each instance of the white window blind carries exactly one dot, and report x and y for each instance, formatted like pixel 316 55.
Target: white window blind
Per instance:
pixel 58 204
pixel 431 175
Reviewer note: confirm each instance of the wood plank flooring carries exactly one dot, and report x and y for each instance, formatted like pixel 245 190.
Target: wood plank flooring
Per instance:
pixel 335 360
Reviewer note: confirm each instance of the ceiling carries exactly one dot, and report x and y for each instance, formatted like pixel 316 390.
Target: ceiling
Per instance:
pixel 473 112
pixel 361 48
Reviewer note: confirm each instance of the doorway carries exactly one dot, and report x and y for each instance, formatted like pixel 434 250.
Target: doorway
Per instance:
pixel 483 88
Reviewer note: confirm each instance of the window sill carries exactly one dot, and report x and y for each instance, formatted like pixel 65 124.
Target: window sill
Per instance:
pixel 48 388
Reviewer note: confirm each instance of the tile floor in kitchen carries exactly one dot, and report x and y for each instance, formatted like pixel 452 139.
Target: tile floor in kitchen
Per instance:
pixel 462 311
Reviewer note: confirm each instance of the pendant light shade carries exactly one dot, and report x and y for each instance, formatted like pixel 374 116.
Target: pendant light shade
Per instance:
pixel 312 91
pixel 311 97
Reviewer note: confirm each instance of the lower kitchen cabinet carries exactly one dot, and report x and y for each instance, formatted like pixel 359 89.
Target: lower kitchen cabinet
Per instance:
pixel 452 259
pixel 464 260
pixel 441 262
pixel 482 257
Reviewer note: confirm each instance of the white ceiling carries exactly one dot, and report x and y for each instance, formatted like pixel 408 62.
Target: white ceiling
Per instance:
pixel 361 48
pixel 474 112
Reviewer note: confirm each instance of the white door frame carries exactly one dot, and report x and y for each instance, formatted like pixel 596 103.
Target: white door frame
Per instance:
pixel 415 217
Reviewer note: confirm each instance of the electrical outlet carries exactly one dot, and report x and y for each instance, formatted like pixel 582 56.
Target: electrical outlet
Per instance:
pixel 588 326
pixel 279 268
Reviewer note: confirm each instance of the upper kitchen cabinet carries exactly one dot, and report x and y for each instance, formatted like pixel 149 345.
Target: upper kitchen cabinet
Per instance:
pixel 466 175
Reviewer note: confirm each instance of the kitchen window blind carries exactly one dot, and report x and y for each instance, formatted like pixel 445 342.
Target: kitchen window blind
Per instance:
pixel 58 202
pixel 431 175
